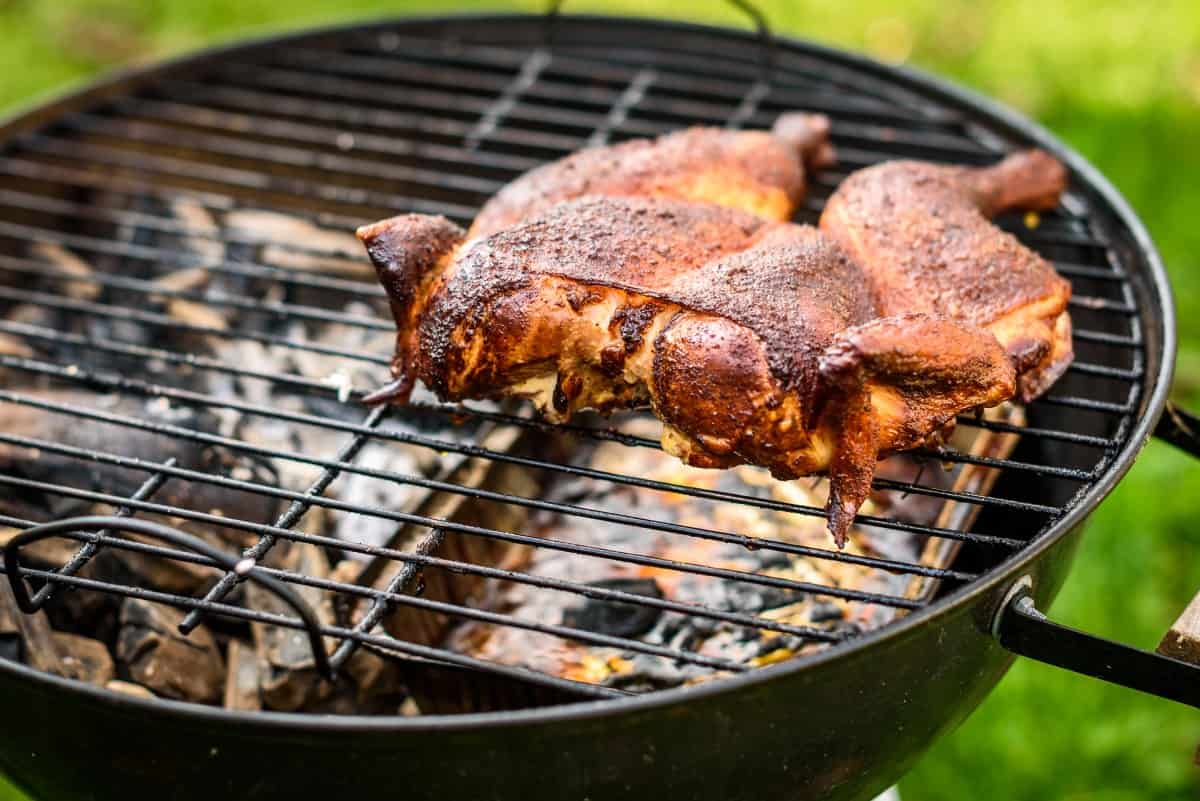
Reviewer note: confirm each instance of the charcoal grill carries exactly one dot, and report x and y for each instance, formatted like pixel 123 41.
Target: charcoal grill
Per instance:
pixel 342 127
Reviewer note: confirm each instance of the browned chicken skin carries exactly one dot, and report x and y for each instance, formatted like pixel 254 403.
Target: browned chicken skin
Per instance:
pixel 758 172
pixel 754 340
pixel 922 234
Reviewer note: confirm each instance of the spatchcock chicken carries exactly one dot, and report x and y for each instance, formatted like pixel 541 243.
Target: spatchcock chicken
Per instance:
pixel 665 273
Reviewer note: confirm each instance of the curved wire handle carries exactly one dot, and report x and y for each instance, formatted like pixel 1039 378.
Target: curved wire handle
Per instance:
pixel 765 35
pixel 243 567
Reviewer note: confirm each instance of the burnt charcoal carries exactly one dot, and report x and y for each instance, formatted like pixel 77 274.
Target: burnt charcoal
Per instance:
pixel 10 635
pixel 371 686
pixel 378 682
pixel 288 678
pixel 241 681
pixel 38 646
pixel 825 612
pixel 61 653
pixel 44 465
pixel 345 606
pixel 10 646
pixel 85 611
pixel 69 263
pixel 784 642
pixel 51 552
pixel 153 653
pixel 613 617
pixel 82 658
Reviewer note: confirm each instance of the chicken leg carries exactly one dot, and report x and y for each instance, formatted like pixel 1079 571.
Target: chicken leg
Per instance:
pixel 923 236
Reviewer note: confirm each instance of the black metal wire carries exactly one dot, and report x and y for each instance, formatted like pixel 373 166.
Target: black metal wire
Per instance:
pixel 410 558
pixel 291 516
pixel 480 531
pixel 364 431
pixel 401 124
pixel 91 547
pixel 338 632
pixel 245 568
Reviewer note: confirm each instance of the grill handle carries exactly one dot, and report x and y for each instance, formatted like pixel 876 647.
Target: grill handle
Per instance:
pixel 766 37
pixel 243 567
pixel 1022 629
pixel 1179 427
pixel 1173 672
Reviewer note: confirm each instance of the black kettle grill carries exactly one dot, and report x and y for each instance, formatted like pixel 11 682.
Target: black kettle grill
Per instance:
pixel 348 125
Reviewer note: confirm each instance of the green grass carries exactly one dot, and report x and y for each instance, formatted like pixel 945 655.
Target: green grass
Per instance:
pixel 1120 82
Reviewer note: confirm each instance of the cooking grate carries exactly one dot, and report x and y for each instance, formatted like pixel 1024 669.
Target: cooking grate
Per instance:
pixel 342 128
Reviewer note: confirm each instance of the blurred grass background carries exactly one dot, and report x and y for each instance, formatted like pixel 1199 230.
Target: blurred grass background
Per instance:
pixel 1120 82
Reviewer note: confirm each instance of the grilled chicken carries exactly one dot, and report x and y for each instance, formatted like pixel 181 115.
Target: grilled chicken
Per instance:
pixel 759 172
pixel 754 340
pixel 922 234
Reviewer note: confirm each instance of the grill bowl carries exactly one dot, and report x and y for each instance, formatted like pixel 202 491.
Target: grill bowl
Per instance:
pixel 843 723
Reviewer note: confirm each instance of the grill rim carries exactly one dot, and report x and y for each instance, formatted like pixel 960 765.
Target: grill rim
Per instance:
pixel 1154 291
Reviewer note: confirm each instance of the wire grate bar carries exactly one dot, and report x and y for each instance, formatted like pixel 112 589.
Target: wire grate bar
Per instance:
pixel 380 603
pixel 289 518
pixel 624 103
pixel 93 543
pixel 968 497
pixel 685 74
pixel 448 525
pixel 172 136
pixel 387 643
pixel 1073 270
pixel 402 127
pixel 1133 341
pixel 140 161
pixel 392 596
pixel 296 535
pixel 1054 471
pixel 151 289
pixel 1089 404
pixel 1034 431
pixel 270 122
pixel 300 382
pixel 748 107
pixel 165 321
pixel 1131 374
pixel 150 253
pixel 542 505
pixel 506 103
pixel 1101 304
